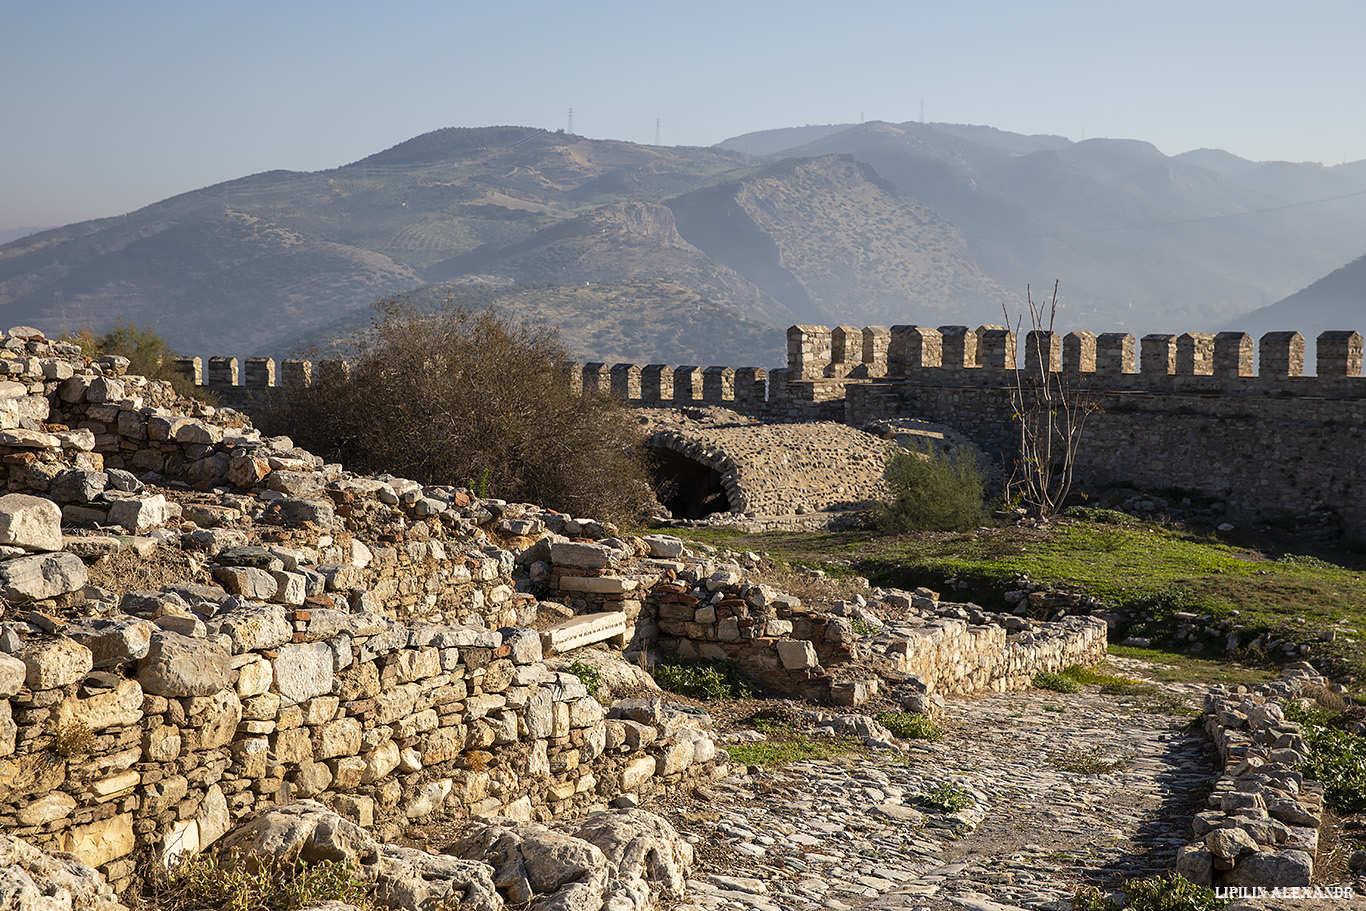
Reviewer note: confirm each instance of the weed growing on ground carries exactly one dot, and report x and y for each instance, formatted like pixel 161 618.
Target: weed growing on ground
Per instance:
pixel 589 674
pixel 863 628
pixel 1090 762
pixel 946 797
pixel 1171 892
pixel 702 679
pixel 1046 680
pixel 796 748
pixel 258 883
pixel 910 725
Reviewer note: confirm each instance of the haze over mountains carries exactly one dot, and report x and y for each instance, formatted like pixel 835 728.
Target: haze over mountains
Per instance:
pixel 691 255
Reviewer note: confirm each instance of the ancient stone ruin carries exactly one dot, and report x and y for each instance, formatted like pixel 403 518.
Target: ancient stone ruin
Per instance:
pixel 302 661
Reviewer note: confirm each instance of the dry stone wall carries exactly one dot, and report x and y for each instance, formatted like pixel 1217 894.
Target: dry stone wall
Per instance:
pixel 1261 827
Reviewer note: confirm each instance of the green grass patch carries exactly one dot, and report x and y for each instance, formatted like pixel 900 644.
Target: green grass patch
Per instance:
pixel 793 748
pixel 1046 680
pixel 910 725
pixel 1130 566
pixel 702 679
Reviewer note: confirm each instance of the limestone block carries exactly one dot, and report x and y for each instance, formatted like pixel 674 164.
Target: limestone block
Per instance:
pixel 298 510
pixel 290 587
pixel 339 738
pixel 221 718
pixel 416 664
pixel 249 582
pixel 586 556
pixel 113 641
pixel 115 785
pixel 120 708
pixel 311 779
pixel 161 744
pixel 139 515
pixel 347 772
pixel 443 744
pixel 12 674
pixel 380 761
pixel 254 625
pixel 46 809
pixel 525 645
pixel 213 818
pixel 797 654
pixel 664 547
pixel 8 729
pixel 585 712
pixel 292 746
pixel 102 841
pixel 637 771
pixel 55 663
pixel 342 577
pixel 396 702
pixel 675 758
pixel 33 523
pixel 255 677
pixel 177 666
pixel 303 671
pixel 1272 869
pixel 252 757
pixel 41 576
pixel 583 630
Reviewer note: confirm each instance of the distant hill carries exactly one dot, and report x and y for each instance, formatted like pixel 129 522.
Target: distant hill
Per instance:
pixel 12 234
pixel 1141 241
pixel 838 244
pixel 1336 301
pixel 689 254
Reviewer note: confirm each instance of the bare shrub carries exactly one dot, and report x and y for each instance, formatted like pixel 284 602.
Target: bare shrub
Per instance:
pixel 469 398
pixel 1051 410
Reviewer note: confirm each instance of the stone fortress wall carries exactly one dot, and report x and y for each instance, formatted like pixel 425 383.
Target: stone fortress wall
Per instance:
pixel 1187 411
pixel 384 648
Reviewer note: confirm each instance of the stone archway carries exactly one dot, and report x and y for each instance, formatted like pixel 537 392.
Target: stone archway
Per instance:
pixel 692 480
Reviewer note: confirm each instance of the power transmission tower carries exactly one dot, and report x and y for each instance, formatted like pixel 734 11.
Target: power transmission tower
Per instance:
pixel 922 110
pixel 657 142
pixel 571 121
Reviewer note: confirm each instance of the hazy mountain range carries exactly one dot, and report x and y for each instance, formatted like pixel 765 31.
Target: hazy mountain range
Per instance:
pixel 692 255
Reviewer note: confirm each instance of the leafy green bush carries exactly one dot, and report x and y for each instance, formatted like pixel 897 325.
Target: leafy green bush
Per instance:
pixel 932 491
pixel 1058 683
pixel 589 674
pixel 946 797
pixel 910 725
pixel 1337 760
pixel 702 679
pixel 258 883
pixel 1170 892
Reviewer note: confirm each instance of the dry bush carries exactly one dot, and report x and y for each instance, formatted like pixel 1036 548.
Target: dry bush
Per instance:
pixel 470 398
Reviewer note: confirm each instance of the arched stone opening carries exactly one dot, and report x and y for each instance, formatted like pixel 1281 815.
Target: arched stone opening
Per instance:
pixel 688 488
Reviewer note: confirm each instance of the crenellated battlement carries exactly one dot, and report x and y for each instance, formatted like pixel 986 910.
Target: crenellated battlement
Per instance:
pixel 991 351
pixel 1222 413
pixel 823 363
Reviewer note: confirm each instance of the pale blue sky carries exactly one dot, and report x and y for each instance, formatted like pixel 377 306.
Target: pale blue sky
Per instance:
pixel 106 107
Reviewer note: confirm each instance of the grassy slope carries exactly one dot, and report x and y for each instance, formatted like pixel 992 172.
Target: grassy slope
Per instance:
pixel 1155 569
